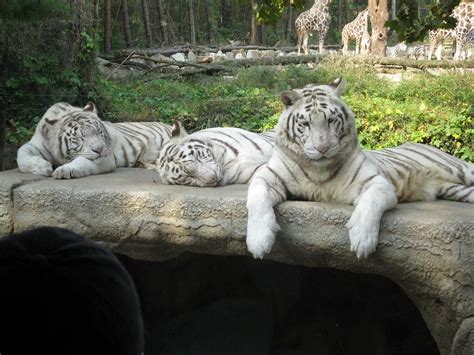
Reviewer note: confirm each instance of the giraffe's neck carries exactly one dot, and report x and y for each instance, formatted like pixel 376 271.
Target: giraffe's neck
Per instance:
pixel 318 5
pixel 366 18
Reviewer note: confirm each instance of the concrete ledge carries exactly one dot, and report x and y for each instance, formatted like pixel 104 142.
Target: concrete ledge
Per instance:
pixel 427 248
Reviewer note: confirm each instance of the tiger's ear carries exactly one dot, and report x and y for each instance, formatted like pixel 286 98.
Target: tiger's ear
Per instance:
pixel 178 131
pixel 338 86
pixel 51 121
pixel 290 97
pixel 90 107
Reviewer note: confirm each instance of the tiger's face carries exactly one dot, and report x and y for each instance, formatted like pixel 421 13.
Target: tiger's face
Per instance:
pixel 317 122
pixel 78 132
pixel 185 161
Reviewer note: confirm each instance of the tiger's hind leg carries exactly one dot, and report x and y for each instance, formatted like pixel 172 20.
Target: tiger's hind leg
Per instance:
pixel 456 192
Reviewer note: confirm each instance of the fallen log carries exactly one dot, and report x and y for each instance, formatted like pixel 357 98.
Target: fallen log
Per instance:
pixel 206 49
pixel 405 63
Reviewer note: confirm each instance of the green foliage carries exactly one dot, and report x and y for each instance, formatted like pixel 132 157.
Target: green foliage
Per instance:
pixel 32 9
pixel 20 132
pixel 35 84
pixel 270 11
pixel 88 48
pixel 43 62
pixel 436 110
pixel 218 103
pixel 411 28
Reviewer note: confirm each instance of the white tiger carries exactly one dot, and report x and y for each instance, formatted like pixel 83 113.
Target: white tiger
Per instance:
pixel 212 157
pixel 399 50
pixel 72 142
pixel 317 157
pixel 418 52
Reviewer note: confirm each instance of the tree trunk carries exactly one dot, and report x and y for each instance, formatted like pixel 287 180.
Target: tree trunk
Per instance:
pixel 192 26
pixel 146 23
pixel 211 22
pixel 96 18
pixel 3 128
pixel 378 15
pixel 107 26
pixel 339 16
pixel 163 22
pixel 261 34
pixel 225 14
pixel 393 16
pixel 344 4
pixel 126 24
pixel 289 23
pixel 173 32
pixel 253 25
pixel 3 119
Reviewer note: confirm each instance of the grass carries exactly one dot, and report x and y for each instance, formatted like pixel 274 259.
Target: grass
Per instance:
pixel 436 110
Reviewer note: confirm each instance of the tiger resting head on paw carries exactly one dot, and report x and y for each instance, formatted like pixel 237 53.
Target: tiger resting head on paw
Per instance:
pixel 187 161
pixel 76 132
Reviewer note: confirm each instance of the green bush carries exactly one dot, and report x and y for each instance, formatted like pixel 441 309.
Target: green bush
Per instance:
pixel 436 110
pixel 426 109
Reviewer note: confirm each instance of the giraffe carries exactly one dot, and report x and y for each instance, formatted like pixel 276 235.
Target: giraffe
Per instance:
pixel 464 14
pixel 356 30
pixel 437 38
pixel 316 19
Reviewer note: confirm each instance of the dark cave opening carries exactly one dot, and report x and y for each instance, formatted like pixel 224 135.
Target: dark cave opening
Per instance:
pixel 203 304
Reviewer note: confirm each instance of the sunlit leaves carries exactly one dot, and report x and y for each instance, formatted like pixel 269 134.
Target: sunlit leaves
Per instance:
pixel 410 27
pixel 269 11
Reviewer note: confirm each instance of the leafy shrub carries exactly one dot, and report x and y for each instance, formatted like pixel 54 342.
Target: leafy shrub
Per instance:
pixel 435 110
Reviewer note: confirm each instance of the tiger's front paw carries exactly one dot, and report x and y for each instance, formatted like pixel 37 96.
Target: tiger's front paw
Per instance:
pixel 67 172
pixel 261 235
pixel 363 233
pixel 43 168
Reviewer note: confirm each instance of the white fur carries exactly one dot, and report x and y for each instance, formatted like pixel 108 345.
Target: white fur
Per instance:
pixel 364 223
pixel 212 157
pixel 262 225
pixel 81 167
pixel 319 159
pixel 104 145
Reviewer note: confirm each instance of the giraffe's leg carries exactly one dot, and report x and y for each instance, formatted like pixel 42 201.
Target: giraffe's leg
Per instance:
pixel 439 51
pixel 305 42
pixel 430 51
pixel 322 37
pixel 300 42
pixel 459 48
pixel 345 42
pixel 357 46
pixel 460 43
pixel 463 52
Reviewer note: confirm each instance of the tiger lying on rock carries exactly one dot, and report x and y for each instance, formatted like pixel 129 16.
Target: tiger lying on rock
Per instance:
pixel 212 157
pixel 75 142
pixel 317 157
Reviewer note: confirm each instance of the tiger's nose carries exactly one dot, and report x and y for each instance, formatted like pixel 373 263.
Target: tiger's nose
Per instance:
pixel 323 148
pixel 98 150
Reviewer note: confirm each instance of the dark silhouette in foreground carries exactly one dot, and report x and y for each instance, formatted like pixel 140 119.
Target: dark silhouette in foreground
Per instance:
pixel 61 293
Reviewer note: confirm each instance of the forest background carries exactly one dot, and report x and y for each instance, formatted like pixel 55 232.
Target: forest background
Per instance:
pixel 48 53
